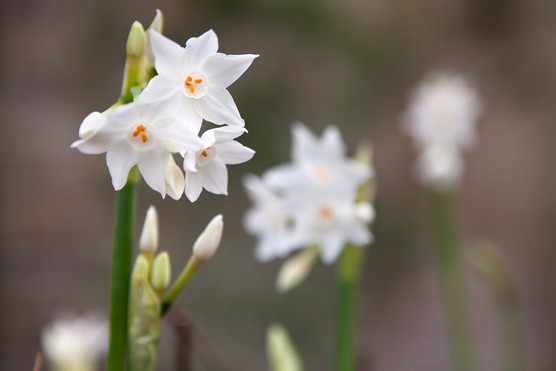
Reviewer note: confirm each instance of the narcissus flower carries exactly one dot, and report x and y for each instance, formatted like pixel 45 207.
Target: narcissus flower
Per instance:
pixel 196 77
pixel 142 134
pixel 205 167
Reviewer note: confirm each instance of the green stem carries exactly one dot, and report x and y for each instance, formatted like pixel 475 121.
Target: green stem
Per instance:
pixel 349 272
pixel 452 284
pixel 192 265
pixel 124 232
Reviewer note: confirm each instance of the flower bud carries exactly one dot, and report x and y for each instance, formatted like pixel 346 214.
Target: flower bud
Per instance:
pixel 160 276
pixel 365 212
pixel 208 241
pixel 136 40
pixel 148 242
pixel 174 181
pixel 140 269
pixel 281 352
pixel 295 269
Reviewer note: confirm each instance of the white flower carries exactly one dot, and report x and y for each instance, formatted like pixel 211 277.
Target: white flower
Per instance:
pixel 206 166
pixel 75 343
pixel 267 220
pixel 142 134
pixel 328 220
pixel 208 241
pixel 440 167
pixel 444 109
pixel 318 162
pixel 196 77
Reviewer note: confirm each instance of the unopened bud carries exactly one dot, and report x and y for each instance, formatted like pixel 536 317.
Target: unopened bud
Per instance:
pixel 148 243
pixel 281 352
pixel 295 269
pixel 136 40
pixel 174 181
pixel 208 241
pixel 160 276
pixel 141 268
pixel 365 212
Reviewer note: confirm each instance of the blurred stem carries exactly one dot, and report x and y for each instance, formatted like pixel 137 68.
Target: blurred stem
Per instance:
pixel 122 256
pixel 349 272
pixel 452 284
pixel 510 333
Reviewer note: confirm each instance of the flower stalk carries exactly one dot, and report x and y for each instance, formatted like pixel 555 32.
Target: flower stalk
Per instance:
pixel 452 284
pixel 349 273
pixel 124 232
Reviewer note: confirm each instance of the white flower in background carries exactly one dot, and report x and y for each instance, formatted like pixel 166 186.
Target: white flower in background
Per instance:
pixel 311 201
pixel 440 167
pixel 318 162
pixel 75 343
pixel 205 167
pixel 196 77
pixel 444 109
pixel 267 220
pixel 441 120
pixel 142 134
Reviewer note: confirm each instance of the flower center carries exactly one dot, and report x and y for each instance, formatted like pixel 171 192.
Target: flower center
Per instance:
pixel 326 213
pixel 195 85
pixel 205 156
pixel 141 138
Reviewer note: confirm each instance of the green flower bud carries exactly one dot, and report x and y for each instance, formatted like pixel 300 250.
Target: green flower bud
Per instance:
pixel 160 276
pixel 136 40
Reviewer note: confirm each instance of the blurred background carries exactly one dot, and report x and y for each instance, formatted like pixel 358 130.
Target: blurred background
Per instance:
pixel 352 63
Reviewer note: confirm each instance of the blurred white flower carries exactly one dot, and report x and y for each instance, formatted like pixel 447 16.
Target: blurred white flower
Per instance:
pixel 197 77
pixel 73 343
pixel 311 201
pixel 205 167
pixel 441 119
pixel 142 134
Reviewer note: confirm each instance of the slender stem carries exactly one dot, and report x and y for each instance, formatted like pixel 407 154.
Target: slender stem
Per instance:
pixel 452 284
pixel 349 271
pixel 192 265
pixel 124 231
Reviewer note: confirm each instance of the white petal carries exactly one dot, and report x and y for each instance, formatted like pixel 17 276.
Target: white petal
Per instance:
pixel 226 133
pixel 199 49
pixel 152 165
pixel 120 159
pixel 160 87
pixel 215 178
pixel 91 124
pixel 193 185
pixel 223 70
pixel 332 141
pixel 304 142
pixel 189 116
pixel 331 247
pixel 218 107
pixel 174 180
pixel 174 136
pixel 167 56
pixel 231 153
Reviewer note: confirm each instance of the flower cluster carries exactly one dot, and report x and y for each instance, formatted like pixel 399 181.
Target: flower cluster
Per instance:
pixel 165 119
pixel 310 201
pixel 441 120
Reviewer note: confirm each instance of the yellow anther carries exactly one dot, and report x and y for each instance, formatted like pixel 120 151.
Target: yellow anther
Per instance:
pixel 144 138
pixel 138 130
pixel 192 89
pixel 198 81
pixel 204 154
pixel 190 83
pixel 325 212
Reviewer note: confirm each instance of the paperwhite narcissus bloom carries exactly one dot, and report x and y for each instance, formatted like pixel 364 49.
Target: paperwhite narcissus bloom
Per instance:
pixel 318 162
pixel 267 220
pixel 311 201
pixel 444 110
pixel 196 77
pixel 206 166
pixel 441 120
pixel 75 343
pixel 142 134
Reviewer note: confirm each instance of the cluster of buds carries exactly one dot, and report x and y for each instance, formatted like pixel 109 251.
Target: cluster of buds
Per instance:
pixel 149 297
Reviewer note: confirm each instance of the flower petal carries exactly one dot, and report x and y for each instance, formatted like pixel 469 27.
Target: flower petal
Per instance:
pixel 218 106
pixel 120 159
pixel 190 162
pixel 193 185
pixel 174 136
pixel 189 116
pixel 231 153
pixel 174 181
pixel 215 178
pixel 152 165
pixel 160 87
pixel 167 56
pixel 223 70
pixel 199 49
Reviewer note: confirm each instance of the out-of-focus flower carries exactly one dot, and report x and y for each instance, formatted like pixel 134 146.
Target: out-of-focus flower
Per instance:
pixel 208 241
pixel 197 77
pixel 142 134
pixel 311 201
pixel 206 167
pixel 74 342
pixel 441 120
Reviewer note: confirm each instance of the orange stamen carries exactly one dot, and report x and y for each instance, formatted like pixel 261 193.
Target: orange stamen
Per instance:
pixel 204 154
pixel 198 81
pixel 192 89
pixel 325 213
pixel 144 138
